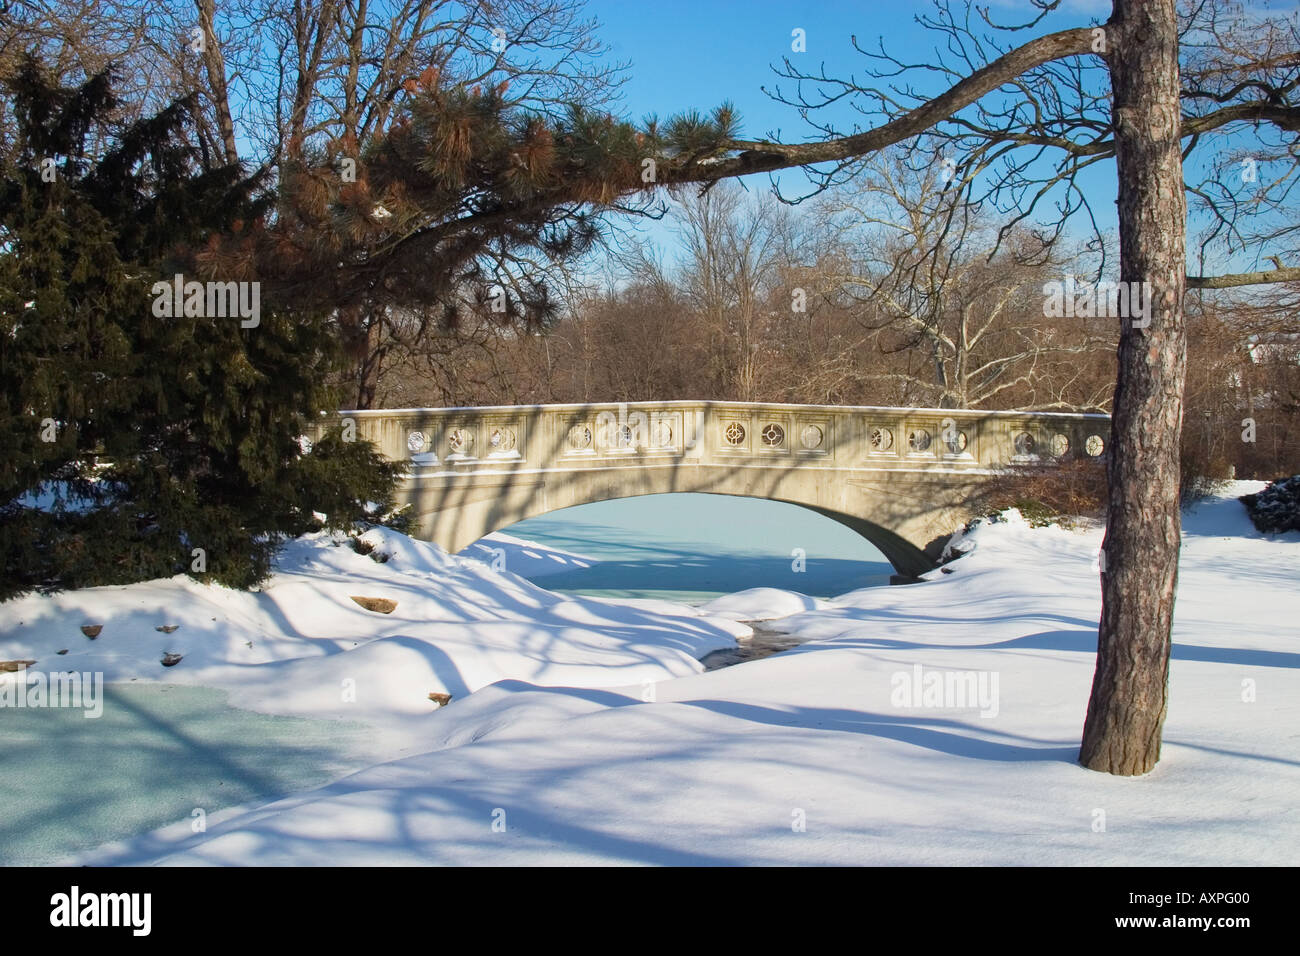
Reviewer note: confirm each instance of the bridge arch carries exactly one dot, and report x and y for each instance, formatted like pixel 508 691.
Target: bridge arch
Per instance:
pixel 903 478
pixel 896 520
pixel 906 558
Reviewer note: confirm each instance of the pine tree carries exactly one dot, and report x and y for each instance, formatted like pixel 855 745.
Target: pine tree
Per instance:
pixel 171 442
pixel 462 205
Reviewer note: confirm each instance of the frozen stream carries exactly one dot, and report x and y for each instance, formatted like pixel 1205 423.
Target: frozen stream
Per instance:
pixel 765 642
pixel 159 752
pixel 156 754
pixel 693 548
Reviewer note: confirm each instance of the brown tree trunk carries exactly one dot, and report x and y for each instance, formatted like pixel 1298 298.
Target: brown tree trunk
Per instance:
pixel 1126 711
pixel 361 329
pixel 216 67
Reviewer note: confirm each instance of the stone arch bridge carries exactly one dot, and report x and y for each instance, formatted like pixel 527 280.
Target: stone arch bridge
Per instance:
pixel 904 478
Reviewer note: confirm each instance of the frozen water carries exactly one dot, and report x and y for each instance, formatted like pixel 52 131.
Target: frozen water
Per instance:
pixel 696 547
pixel 158 752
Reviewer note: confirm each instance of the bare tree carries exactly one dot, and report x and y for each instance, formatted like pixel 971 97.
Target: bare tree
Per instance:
pixel 734 249
pixel 933 275
pixel 78 39
pixel 299 87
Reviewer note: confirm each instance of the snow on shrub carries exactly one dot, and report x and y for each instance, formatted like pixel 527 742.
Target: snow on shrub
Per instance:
pixel 1277 507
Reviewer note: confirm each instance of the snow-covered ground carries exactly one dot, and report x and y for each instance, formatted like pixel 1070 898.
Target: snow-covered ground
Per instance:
pixel 303 647
pixel 935 723
pixel 525 558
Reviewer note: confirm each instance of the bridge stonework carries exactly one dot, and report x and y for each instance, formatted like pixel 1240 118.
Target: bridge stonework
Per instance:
pixel 904 478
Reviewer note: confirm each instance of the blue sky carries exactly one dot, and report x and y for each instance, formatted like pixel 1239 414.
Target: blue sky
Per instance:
pixel 701 52
pixel 698 53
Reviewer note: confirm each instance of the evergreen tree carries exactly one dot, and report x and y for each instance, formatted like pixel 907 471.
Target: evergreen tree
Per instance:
pixel 463 205
pixel 157 435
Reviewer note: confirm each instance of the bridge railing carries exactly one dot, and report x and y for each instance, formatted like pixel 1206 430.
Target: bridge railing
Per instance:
pixel 530 437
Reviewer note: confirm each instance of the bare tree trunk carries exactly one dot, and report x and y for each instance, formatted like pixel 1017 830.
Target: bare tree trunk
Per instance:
pixel 1126 711
pixel 361 329
pixel 215 64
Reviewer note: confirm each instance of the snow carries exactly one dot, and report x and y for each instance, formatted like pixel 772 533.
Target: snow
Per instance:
pixel 592 736
pixel 302 647
pixel 762 604
pixel 526 558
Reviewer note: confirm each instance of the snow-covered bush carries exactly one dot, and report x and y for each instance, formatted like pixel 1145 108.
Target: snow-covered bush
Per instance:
pixel 1277 507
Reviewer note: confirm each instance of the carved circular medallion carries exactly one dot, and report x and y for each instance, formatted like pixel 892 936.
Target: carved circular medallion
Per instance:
pixel 461 441
pixel 579 437
pixel 502 439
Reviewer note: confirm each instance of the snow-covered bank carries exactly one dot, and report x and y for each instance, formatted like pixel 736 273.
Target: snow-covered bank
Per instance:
pixel 525 558
pixel 838 753
pixel 302 646
pixel 762 604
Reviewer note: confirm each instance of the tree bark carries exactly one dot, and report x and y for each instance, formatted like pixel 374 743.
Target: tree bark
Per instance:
pixel 1126 710
pixel 216 67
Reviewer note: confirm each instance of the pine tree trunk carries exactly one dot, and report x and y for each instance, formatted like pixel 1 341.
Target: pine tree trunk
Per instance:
pixel 361 329
pixel 1126 711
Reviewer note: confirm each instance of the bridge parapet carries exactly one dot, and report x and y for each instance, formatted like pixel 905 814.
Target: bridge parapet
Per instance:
pixel 569 437
pixel 904 478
